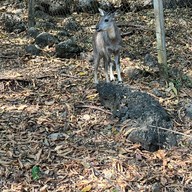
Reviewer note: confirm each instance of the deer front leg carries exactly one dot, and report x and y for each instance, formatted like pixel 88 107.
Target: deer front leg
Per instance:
pixel 117 63
pixel 112 78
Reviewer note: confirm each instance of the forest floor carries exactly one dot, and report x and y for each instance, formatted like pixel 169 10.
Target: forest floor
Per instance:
pixel 56 136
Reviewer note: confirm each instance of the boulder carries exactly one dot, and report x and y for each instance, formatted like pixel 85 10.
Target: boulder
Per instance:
pixel 33 32
pixel 150 61
pixel 106 5
pixel 149 124
pixel 67 49
pixel 13 23
pixel 188 109
pixel 33 49
pixel 171 4
pixel 87 6
pixel 70 24
pixel 54 7
pixel 45 39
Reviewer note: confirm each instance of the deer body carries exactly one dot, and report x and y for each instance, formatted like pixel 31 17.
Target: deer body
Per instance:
pixel 107 42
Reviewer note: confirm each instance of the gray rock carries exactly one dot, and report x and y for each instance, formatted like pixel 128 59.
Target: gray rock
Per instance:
pixel 133 6
pixel 90 6
pixel 45 39
pixel 133 73
pixel 150 61
pixel 13 23
pixel 33 49
pixel 67 49
pixel 158 93
pixel 33 32
pixel 56 136
pixel 46 24
pixel 41 14
pixel 70 24
pixel 19 11
pixel 170 4
pixel 54 7
pixel 63 33
pixel 173 4
pixel 147 3
pixel 106 5
pixel 90 58
pixel 146 115
pixel 188 109
pixel 156 187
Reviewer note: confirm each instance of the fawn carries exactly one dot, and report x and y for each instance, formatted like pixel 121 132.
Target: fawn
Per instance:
pixel 107 41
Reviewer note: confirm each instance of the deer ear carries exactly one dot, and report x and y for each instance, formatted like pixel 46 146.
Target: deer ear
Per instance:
pixel 102 12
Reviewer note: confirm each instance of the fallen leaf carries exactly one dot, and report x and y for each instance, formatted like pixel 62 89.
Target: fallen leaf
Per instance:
pixel 44 188
pixel 160 154
pixel 87 188
pixel 86 117
pixel 51 102
pixel 82 73
pixel 21 107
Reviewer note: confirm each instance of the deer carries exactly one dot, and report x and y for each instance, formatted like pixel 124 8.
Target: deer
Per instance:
pixel 107 42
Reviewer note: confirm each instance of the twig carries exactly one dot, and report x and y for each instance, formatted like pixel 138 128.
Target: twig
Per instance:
pixel 93 107
pixel 53 76
pixel 127 33
pixel 139 27
pixel 8 57
pixel 20 79
pixel 179 133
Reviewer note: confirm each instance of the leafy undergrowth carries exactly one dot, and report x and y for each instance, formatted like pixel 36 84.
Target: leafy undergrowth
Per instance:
pixel 56 136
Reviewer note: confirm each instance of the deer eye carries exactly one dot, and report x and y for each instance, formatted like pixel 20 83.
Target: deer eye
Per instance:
pixel 106 20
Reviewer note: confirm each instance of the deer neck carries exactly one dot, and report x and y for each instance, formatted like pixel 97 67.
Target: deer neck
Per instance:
pixel 112 33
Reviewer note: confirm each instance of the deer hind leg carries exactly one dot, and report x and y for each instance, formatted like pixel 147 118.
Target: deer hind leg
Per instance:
pixel 96 65
pixel 106 65
pixel 117 63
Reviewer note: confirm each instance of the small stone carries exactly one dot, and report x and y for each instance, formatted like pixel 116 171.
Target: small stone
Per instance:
pixel 45 39
pixel 156 187
pixel 188 109
pixel 150 61
pixel 33 49
pixel 67 49
pixel 33 32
